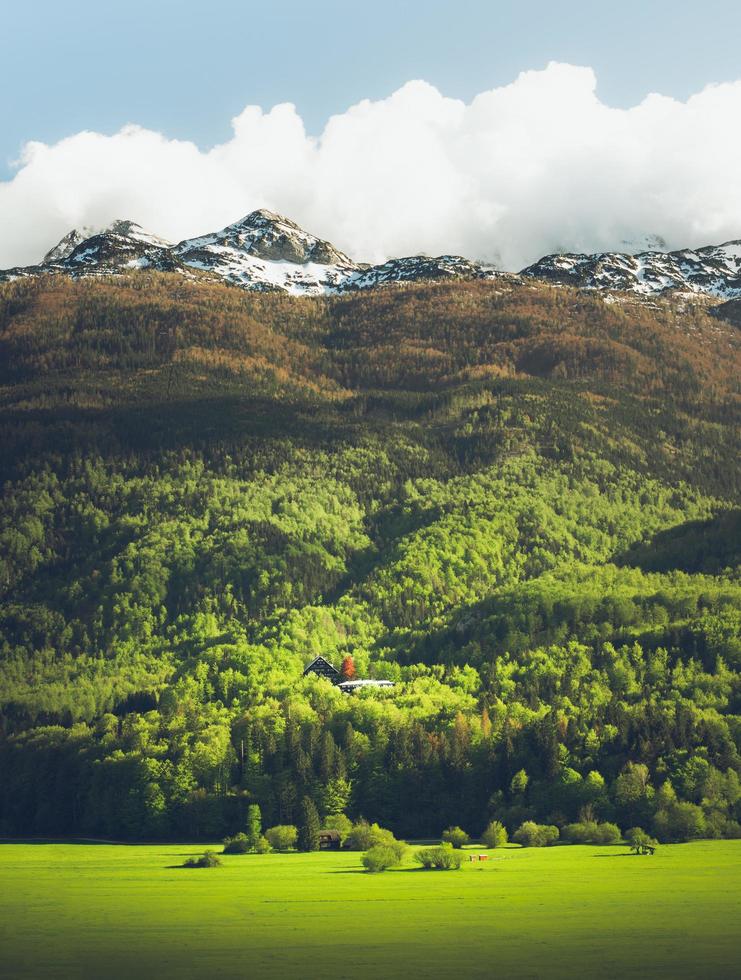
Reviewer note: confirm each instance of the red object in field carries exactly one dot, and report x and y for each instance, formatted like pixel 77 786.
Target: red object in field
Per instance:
pixel 347 670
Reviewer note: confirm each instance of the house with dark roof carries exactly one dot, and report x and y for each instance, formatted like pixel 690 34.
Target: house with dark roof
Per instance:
pixel 329 840
pixel 323 668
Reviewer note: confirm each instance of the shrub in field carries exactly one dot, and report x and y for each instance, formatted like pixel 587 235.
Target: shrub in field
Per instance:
pixel 380 858
pixel 209 859
pixel 495 834
pixel 282 837
pixel 591 832
pixel 578 833
pixel 363 836
pixel 239 844
pixel 607 833
pixel 455 836
pixel 442 858
pixel 531 834
pixel 397 847
pixel 640 842
pixel 242 844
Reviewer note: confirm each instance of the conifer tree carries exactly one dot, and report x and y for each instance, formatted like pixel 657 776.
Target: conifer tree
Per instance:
pixel 308 831
pixel 254 825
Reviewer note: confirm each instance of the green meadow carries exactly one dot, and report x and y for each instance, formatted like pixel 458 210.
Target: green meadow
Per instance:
pixel 115 911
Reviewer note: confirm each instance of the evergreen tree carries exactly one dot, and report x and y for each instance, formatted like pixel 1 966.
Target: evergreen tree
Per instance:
pixel 254 825
pixel 308 830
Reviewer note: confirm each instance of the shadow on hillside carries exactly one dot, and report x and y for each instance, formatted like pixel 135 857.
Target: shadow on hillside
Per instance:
pixel 149 425
pixel 695 546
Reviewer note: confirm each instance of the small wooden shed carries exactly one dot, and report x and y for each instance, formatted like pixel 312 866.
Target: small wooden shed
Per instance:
pixel 329 840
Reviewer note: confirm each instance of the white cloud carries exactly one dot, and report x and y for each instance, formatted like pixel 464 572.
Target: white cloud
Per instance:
pixel 533 167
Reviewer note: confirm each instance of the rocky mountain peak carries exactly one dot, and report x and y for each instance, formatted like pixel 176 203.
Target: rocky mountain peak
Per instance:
pixel 270 236
pixel 130 229
pixel 267 251
pixel 120 228
pixel 66 245
pixel 714 270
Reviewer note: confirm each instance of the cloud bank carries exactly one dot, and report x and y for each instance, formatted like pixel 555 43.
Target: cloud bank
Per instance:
pixel 537 166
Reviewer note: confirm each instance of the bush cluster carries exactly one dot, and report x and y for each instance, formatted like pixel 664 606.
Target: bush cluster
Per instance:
pixel 456 837
pixel 282 837
pixel 238 844
pixel 531 834
pixel 640 842
pixel 495 834
pixel 209 859
pixel 590 832
pixel 241 844
pixel 363 836
pixel 382 857
pixel 442 858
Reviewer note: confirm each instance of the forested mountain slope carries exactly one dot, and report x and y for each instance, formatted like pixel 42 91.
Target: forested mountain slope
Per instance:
pixel 517 501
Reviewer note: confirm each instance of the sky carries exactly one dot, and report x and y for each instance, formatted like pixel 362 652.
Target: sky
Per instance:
pixel 401 126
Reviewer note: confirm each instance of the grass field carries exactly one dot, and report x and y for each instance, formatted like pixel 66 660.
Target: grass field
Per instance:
pixel 107 911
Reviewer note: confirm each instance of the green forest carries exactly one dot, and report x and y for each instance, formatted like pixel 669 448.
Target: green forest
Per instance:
pixel 518 502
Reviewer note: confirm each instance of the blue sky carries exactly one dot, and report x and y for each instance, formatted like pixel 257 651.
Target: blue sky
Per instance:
pixel 532 129
pixel 185 68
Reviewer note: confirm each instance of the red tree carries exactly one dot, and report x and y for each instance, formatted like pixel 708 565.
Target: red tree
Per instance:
pixel 347 670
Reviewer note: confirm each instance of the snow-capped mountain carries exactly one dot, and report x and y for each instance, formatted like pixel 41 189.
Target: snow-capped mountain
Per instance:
pixel 123 245
pixel 67 245
pixel 117 237
pixel 714 270
pixel 265 251
pixel 420 268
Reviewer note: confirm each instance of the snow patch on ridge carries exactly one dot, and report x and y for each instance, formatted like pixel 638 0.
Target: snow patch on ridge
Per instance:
pixel 266 251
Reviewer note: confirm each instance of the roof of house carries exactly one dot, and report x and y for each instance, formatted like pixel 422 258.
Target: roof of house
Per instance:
pixel 330 834
pixel 322 663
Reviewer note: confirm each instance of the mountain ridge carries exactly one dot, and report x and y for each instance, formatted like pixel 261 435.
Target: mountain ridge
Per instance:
pixel 711 269
pixel 265 251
